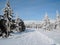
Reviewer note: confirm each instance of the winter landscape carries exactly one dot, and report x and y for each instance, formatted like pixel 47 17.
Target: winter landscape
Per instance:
pixel 39 23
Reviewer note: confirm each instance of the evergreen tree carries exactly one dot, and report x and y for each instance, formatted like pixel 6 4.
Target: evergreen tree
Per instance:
pixel 46 20
pixel 8 16
pixel 57 23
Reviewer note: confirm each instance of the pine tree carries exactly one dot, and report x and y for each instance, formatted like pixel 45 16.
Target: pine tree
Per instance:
pixel 8 16
pixel 57 23
pixel 20 24
pixel 46 20
pixel 46 24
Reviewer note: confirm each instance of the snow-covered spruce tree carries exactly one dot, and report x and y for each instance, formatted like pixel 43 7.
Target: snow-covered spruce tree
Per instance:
pixel 20 25
pixel 57 22
pixel 46 22
pixel 8 16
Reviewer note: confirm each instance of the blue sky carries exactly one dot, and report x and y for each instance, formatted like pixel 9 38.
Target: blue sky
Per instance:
pixel 33 9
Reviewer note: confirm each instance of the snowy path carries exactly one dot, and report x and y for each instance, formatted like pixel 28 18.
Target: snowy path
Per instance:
pixel 28 38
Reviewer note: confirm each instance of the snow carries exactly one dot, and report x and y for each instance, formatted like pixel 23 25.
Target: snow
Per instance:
pixel 54 34
pixel 31 37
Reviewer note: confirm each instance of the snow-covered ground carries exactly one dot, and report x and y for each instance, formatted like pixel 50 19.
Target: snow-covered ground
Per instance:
pixel 53 34
pixel 31 37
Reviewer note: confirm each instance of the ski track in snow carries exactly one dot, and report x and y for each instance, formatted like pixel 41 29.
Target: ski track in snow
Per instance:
pixel 28 38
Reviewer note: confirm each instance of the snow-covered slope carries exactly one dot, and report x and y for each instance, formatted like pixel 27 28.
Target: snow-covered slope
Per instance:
pixel 29 37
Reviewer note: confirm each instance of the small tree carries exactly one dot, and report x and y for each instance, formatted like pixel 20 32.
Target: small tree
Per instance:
pixel 57 22
pixel 46 21
pixel 20 25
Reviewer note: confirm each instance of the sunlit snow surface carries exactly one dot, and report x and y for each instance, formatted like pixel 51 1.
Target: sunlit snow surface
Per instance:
pixel 32 37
